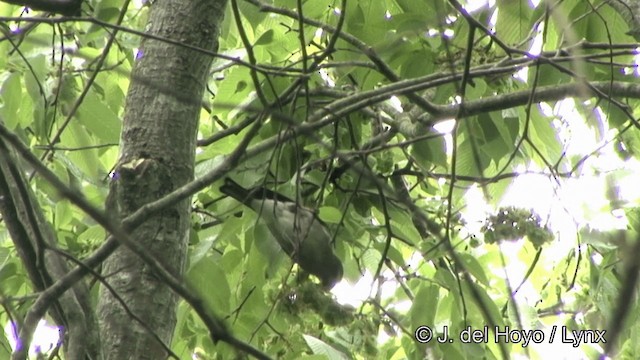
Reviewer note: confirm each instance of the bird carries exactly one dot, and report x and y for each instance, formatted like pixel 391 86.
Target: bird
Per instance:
pixel 298 230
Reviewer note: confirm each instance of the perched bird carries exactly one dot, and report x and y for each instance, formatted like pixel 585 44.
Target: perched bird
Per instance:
pixel 299 232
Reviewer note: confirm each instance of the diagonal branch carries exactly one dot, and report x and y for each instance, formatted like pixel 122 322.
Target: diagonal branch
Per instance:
pixel 33 239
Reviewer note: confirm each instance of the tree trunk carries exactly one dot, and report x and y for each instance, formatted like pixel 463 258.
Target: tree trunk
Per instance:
pixel 157 156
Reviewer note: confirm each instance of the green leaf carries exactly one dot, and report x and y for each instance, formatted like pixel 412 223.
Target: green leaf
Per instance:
pixel 475 268
pixel 548 75
pixel 83 164
pixel 5 348
pixel 541 132
pixel 466 162
pixel 204 276
pixel 425 305
pixel 99 119
pixel 490 305
pixel 633 217
pixel 34 77
pixel 11 100
pixel 403 227
pixel 476 91
pixel 507 123
pixel 265 39
pixel 430 152
pixel 371 259
pixel 319 347
pixel 513 18
pixel 92 235
pixel 330 214
pixel 488 127
pixel 207 238
pixel 64 215
pixel 393 254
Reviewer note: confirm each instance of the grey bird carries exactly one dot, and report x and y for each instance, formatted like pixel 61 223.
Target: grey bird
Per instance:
pixel 298 230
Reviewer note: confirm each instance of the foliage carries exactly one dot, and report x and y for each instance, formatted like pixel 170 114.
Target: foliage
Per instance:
pixel 512 223
pixel 349 103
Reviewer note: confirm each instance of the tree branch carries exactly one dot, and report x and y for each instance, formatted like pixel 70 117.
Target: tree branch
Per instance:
pixel 63 7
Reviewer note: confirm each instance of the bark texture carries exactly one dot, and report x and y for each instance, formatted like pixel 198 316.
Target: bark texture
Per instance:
pixel 157 156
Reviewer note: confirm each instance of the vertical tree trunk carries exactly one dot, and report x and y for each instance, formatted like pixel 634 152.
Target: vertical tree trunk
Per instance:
pixel 156 156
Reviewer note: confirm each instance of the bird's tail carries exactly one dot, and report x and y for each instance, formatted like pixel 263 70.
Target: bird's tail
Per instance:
pixel 235 190
pixel 246 196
